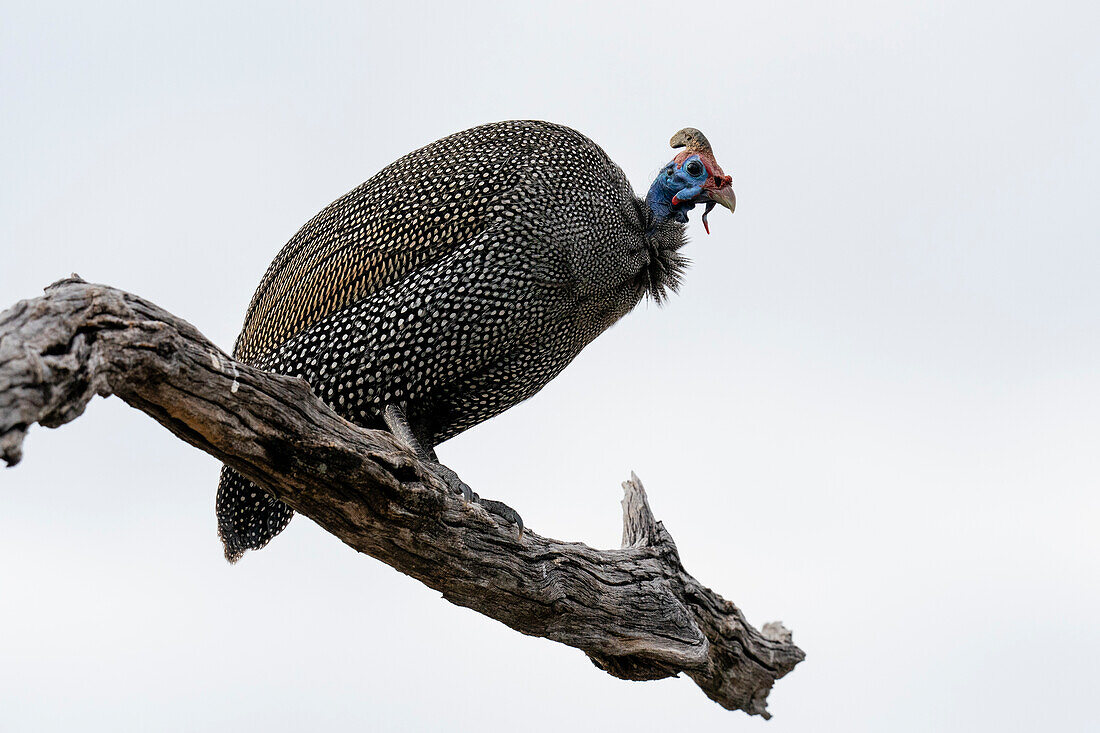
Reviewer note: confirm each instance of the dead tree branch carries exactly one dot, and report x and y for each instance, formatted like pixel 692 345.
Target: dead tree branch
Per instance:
pixel 634 611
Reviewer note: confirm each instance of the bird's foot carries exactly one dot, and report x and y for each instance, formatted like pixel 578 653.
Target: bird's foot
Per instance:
pixel 454 483
pixel 457 485
pixel 502 510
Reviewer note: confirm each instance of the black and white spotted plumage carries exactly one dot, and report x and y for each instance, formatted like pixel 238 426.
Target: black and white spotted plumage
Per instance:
pixel 455 283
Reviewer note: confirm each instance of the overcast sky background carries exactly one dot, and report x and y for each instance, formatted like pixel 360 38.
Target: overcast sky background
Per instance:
pixel 873 412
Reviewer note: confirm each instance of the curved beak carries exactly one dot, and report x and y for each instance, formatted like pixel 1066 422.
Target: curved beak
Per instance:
pixel 723 196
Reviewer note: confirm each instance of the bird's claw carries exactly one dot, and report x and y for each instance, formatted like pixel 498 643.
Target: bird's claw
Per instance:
pixel 454 483
pixel 457 485
pixel 505 512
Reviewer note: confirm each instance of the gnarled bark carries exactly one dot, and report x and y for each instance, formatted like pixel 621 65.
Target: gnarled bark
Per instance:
pixel 634 611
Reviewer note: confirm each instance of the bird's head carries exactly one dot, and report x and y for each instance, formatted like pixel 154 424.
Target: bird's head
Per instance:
pixel 692 177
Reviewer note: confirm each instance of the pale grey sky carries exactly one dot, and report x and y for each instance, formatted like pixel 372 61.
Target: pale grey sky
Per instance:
pixel 873 412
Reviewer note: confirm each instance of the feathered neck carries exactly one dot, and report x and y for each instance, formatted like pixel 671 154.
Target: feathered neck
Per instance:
pixel 664 236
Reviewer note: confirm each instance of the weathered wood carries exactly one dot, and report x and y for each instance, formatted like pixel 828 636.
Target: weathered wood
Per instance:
pixel 634 611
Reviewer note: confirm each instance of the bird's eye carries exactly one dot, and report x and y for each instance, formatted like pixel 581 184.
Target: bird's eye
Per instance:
pixel 694 168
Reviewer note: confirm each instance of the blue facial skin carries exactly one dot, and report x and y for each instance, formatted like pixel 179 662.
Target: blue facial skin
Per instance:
pixel 675 181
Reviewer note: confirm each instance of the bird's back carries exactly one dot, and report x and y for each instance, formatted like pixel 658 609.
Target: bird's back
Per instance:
pixel 416 211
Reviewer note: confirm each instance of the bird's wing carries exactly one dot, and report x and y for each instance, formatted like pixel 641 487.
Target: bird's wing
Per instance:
pixel 347 252
pixel 414 212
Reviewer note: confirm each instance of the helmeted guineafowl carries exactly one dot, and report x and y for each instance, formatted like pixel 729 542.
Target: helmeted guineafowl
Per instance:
pixel 458 281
